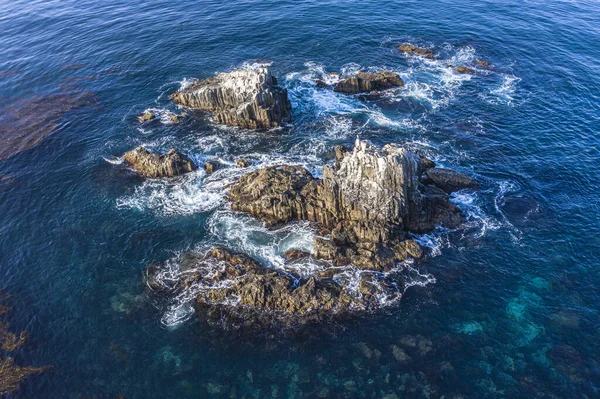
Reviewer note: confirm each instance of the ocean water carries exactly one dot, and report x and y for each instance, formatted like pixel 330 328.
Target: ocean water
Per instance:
pixel 505 307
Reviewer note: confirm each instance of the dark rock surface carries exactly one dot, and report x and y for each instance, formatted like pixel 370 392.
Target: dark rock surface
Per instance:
pixel 364 82
pixel 236 287
pixel 247 98
pixel 151 164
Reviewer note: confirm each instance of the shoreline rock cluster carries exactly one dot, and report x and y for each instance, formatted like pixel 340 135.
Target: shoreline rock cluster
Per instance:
pixel 364 208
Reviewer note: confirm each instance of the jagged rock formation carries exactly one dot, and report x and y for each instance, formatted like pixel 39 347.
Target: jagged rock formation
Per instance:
pixel 151 164
pixel 247 98
pixel 365 82
pixel 368 202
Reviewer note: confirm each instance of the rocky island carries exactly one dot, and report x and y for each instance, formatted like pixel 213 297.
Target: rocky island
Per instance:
pixel 364 209
pixel 249 98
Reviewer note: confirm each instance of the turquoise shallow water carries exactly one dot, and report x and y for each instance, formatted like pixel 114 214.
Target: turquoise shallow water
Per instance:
pixel 507 307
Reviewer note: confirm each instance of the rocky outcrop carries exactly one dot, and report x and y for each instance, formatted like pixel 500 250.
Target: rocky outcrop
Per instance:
pixel 242 289
pixel 151 164
pixel 247 98
pixel 365 82
pixel 367 202
pixel 449 180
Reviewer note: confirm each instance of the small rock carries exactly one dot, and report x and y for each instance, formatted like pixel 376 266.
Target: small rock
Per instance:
pixel 175 118
pixel 482 63
pixel 150 164
pixel 321 84
pixel 365 82
pixel 146 116
pixel 242 162
pixel 210 167
pixel 462 69
pixel 426 52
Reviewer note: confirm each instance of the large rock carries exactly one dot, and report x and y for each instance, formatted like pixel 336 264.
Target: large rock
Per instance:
pixel 364 82
pixel 151 164
pixel 367 202
pixel 248 98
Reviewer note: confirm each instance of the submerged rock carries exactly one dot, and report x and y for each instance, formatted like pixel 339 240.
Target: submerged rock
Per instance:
pixel 247 98
pixel 151 164
pixel 482 63
pixel 367 202
pixel 364 82
pixel 449 180
pixel 11 374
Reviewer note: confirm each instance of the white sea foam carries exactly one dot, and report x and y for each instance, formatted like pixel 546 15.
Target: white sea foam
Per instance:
pixel 256 64
pixel 183 195
pixel 505 93
pixel 114 160
pixel 245 234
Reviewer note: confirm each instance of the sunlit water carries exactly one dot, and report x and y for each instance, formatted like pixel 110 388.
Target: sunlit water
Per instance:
pixel 505 307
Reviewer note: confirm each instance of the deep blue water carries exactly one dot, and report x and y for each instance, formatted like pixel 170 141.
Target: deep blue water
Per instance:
pixel 507 307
